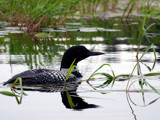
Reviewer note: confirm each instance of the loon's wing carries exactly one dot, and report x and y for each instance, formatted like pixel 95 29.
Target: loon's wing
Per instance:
pixel 41 76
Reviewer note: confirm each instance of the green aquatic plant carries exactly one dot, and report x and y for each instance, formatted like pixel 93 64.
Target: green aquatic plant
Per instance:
pixel 72 66
pixel 129 8
pixel 14 92
pixel 8 93
pixel 142 34
pixel 112 78
pixel 34 14
pixel 72 105
pixel 18 82
pixel 143 82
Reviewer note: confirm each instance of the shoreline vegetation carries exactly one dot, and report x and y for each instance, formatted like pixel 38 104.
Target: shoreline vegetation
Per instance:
pixel 34 14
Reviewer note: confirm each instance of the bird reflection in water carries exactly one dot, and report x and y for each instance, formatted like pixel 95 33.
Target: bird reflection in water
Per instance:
pixel 64 89
pixel 77 101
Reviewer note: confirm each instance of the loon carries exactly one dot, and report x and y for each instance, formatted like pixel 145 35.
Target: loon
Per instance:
pixel 48 76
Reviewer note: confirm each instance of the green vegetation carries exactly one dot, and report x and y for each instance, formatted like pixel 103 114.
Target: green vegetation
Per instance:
pixel 38 13
pixel 47 31
pixel 70 70
pixel 14 92
pixel 142 81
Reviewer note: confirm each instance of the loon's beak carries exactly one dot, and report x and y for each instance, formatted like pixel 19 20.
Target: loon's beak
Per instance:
pixel 94 53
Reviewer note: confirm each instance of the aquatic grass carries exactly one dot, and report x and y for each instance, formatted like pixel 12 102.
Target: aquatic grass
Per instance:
pixel 39 13
pixel 152 74
pixel 139 59
pixel 33 14
pixel 143 32
pixel 8 93
pixel 129 8
pixel 108 76
pixel 153 88
pixel 18 82
pixel 140 7
pixel 72 66
pixel 72 105
pixel 14 93
pixel 144 82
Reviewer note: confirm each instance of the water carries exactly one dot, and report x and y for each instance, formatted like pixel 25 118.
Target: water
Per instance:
pixel 118 40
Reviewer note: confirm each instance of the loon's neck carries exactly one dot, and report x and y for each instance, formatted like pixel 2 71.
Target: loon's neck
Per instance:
pixel 74 72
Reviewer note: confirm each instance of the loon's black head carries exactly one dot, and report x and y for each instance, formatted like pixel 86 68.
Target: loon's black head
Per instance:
pixel 78 52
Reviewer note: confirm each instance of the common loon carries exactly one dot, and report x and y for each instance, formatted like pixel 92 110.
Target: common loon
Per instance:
pixel 47 76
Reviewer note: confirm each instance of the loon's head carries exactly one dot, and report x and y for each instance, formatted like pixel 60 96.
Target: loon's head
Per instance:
pixel 78 52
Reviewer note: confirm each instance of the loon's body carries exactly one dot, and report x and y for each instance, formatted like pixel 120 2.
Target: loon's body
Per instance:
pixel 47 76
pixel 42 76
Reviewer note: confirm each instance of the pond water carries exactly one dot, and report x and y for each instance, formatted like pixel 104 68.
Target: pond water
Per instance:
pixel 117 39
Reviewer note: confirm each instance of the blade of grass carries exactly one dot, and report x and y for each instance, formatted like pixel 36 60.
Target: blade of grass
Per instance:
pixel 105 74
pixel 155 57
pixel 141 83
pixel 145 31
pixel 153 88
pixel 70 100
pixel 105 84
pixel 146 50
pixel 49 8
pixel 151 74
pixel 93 74
pixel 153 101
pixel 7 93
pixel 19 80
pixel 70 70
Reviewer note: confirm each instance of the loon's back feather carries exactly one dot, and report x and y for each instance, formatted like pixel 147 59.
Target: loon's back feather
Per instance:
pixel 42 76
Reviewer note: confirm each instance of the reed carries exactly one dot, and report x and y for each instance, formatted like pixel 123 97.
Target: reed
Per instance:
pixel 34 14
